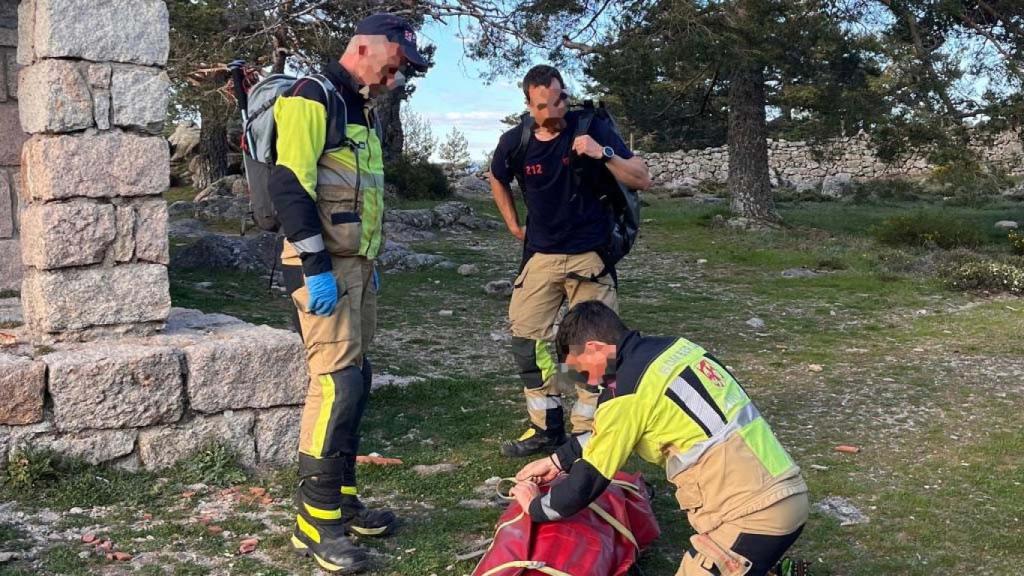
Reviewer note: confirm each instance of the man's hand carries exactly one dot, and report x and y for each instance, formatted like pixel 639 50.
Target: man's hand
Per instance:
pixel 540 471
pixel 520 233
pixel 524 493
pixel 587 146
pixel 323 294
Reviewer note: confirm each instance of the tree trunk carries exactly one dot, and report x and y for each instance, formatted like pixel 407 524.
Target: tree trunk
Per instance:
pixel 749 184
pixel 389 108
pixel 212 162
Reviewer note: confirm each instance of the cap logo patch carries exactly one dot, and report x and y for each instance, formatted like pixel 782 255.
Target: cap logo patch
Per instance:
pixel 410 36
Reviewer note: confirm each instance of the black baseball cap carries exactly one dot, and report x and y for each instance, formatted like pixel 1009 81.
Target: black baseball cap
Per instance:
pixel 396 30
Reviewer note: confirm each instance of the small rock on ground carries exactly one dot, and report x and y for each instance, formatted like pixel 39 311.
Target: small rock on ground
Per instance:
pixel 842 510
pixel 431 469
pixel 799 273
pixel 755 323
pixel 499 288
pixel 468 270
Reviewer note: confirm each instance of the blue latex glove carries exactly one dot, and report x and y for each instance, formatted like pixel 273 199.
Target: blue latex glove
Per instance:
pixel 323 294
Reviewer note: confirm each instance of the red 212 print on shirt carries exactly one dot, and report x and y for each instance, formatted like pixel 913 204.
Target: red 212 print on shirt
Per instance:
pixel 534 169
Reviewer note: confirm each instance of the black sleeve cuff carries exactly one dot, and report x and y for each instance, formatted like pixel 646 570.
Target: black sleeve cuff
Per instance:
pixel 316 263
pixel 569 453
pixel 536 510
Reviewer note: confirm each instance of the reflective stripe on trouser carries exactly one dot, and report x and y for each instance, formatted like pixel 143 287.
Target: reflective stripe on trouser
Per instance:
pixel 341 374
pixel 546 282
pixel 750 545
pixel 538 371
pixel 582 416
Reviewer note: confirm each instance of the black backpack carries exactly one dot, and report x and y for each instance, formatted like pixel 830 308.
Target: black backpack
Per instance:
pixel 622 203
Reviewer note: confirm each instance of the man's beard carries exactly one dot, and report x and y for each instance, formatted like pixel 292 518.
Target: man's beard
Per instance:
pixel 554 124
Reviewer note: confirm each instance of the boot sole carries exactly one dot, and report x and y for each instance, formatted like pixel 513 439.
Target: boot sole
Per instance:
pixel 374 532
pixel 302 550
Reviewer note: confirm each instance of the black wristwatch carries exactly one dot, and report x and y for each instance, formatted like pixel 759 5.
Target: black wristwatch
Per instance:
pixel 607 153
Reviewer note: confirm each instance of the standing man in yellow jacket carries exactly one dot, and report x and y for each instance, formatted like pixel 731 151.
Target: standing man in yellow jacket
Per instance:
pixel 327 188
pixel 675 405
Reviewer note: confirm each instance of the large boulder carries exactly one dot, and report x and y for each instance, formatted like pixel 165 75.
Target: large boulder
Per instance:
pixel 473 188
pixel 422 224
pixel 184 140
pixel 397 257
pixel 251 253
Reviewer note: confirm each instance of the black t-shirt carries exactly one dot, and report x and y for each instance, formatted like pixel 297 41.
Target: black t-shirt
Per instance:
pixel 560 219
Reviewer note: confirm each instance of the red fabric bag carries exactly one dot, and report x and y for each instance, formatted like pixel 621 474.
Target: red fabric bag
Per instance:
pixel 602 540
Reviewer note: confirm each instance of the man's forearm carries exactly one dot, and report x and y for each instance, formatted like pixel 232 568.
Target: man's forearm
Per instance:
pixel 633 173
pixel 506 204
pixel 300 221
pixel 583 485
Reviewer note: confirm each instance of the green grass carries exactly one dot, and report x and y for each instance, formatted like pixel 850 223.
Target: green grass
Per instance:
pixel 923 379
pixel 235 293
pixel 181 193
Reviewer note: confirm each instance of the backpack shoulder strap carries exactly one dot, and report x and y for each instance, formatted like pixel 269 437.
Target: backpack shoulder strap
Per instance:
pixel 516 161
pixel 518 156
pixel 586 118
pixel 337 120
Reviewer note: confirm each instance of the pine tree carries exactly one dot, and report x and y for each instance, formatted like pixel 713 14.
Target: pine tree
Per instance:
pixel 454 152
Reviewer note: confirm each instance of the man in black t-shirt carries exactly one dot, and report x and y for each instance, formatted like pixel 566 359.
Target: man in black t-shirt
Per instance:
pixel 566 226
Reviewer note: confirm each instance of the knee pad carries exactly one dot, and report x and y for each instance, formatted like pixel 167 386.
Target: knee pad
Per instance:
pixel 524 351
pixel 346 411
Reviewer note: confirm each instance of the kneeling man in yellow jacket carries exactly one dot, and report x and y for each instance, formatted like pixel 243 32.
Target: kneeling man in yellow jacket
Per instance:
pixel 675 405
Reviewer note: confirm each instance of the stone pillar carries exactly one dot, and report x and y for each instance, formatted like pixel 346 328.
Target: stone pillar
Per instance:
pixel 11 139
pixel 93 97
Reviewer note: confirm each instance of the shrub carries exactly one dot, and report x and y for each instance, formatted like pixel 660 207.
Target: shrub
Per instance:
pixel 895 189
pixel 993 276
pixel 29 468
pixel 1016 242
pixel 793 194
pixel 927 229
pixel 215 465
pixel 416 180
pixel 968 182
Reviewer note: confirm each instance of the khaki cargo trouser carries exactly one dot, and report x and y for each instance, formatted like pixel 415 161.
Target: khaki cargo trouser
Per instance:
pixel 546 282
pixel 333 344
pixel 750 545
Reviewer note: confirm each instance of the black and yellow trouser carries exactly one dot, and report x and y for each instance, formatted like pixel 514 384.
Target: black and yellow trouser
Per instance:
pixel 538 372
pixel 546 282
pixel 335 401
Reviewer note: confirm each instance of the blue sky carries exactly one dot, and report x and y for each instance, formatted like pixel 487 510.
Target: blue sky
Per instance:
pixel 453 95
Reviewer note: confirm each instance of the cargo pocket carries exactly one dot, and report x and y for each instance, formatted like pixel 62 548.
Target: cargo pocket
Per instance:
pixel 339 214
pixel 689 497
pixel 688 492
pixel 521 279
pixel 329 340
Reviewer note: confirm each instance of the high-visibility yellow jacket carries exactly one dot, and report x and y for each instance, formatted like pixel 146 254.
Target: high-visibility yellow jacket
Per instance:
pixel 328 189
pixel 676 406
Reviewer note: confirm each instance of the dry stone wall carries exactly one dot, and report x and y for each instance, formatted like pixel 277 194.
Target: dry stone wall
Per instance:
pixel 94 226
pixel 103 368
pixel 150 401
pixel 11 139
pixel 795 164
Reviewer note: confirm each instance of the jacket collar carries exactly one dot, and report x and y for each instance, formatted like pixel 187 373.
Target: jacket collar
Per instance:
pixel 625 344
pixel 341 79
